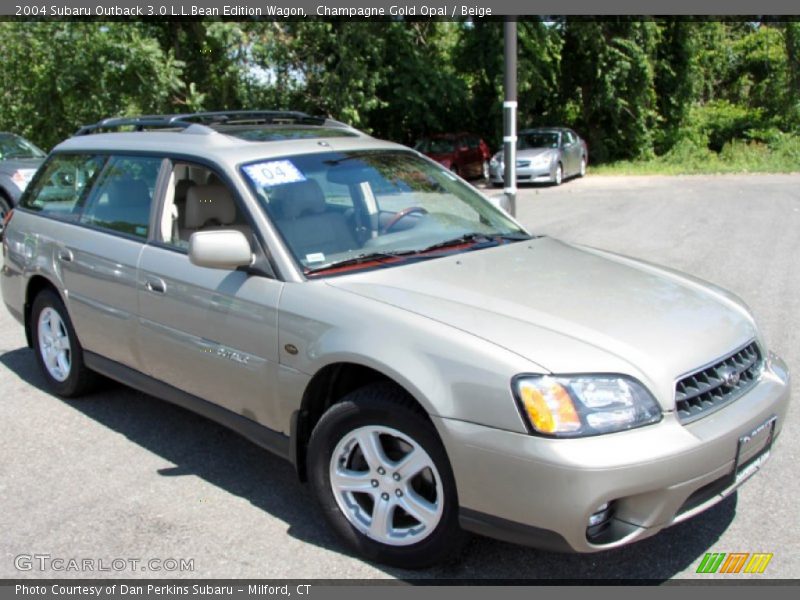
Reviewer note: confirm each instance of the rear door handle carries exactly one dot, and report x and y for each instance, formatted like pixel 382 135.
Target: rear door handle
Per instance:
pixel 155 285
pixel 64 255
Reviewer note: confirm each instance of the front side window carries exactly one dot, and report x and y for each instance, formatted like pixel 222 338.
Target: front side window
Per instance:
pixel 197 199
pixel 59 189
pixel 340 208
pixel 121 199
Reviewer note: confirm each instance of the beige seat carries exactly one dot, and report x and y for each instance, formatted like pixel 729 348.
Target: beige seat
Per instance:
pixel 301 214
pixel 208 208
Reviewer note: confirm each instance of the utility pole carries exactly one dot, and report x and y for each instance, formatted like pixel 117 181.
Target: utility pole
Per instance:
pixel 510 114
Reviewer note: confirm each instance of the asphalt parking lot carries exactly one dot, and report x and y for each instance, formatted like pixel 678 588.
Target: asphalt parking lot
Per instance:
pixel 121 475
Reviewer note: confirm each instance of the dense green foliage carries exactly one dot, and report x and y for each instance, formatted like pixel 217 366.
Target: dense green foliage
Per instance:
pixel 663 90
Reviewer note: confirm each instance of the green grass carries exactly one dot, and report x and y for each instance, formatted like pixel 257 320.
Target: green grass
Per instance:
pixel 781 155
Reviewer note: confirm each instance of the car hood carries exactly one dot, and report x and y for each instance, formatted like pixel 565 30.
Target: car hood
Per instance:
pixel 570 309
pixel 532 152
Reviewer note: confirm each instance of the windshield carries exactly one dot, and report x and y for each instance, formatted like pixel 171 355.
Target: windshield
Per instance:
pixel 356 207
pixel 436 146
pixel 14 147
pixel 537 139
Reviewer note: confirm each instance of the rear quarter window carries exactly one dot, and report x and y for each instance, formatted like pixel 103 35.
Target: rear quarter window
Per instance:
pixel 60 187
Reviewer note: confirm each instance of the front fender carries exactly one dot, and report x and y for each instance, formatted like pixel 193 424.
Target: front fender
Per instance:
pixel 451 373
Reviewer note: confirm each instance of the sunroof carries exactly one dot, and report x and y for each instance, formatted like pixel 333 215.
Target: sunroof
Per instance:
pixel 273 133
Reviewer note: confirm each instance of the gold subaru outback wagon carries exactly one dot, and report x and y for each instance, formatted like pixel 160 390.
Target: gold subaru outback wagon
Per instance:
pixel 429 366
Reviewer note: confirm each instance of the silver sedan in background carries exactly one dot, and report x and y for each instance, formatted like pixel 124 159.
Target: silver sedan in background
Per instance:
pixel 544 155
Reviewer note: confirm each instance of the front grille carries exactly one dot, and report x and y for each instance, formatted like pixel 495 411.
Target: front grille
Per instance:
pixel 709 389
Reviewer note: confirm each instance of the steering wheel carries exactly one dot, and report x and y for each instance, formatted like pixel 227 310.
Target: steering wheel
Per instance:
pixel 400 215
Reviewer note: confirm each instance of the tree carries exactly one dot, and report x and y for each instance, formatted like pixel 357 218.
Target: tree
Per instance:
pixel 676 79
pixel 56 76
pixel 606 67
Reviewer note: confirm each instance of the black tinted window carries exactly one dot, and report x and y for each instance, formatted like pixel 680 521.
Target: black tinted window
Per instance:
pixel 121 199
pixel 58 190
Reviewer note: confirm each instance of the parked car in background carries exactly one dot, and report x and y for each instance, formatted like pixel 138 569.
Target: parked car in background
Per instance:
pixel 465 154
pixel 19 160
pixel 544 155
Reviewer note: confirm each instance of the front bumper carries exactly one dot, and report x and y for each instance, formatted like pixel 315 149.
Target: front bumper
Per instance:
pixel 541 491
pixel 545 174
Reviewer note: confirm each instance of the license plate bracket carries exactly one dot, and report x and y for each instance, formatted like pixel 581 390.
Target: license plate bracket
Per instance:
pixel 753 450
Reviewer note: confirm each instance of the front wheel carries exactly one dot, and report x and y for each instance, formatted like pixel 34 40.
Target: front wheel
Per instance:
pixel 582 171
pixel 5 208
pixel 57 349
pixel 485 171
pixel 559 176
pixel 383 479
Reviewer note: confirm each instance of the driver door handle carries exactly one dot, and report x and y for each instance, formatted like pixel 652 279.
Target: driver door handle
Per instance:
pixel 64 255
pixel 155 285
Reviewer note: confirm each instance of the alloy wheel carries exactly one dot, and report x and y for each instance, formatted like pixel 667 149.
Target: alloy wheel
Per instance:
pixel 386 485
pixel 54 344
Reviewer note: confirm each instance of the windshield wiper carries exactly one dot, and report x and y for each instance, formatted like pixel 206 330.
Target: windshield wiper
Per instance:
pixel 421 254
pixel 478 238
pixel 361 259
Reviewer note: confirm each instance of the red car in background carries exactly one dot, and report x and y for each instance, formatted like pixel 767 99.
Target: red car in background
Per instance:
pixel 465 154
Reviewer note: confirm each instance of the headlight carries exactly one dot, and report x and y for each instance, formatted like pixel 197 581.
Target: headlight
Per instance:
pixel 542 160
pixel 496 160
pixel 584 405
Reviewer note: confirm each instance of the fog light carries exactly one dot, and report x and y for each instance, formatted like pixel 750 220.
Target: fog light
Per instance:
pixel 600 515
pixel 599 520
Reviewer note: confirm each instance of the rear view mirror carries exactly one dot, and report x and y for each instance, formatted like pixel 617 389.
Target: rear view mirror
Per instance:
pixel 223 249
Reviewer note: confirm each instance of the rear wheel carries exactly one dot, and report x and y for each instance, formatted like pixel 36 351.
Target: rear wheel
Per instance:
pixel 57 349
pixel 383 479
pixel 582 171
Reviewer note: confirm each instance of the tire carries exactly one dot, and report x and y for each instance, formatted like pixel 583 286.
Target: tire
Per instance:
pixel 582 170
pixel 485 171
pixel 351 486
pixel 5 208
pixel 58 351
pixel 559 176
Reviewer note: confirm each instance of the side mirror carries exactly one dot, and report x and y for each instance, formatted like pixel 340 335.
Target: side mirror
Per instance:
pixel 222 249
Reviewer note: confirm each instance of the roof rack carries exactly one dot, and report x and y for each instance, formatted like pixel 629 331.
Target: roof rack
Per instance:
pixel 229 117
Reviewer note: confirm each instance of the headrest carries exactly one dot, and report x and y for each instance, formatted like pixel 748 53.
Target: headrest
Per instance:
pixel 298 199
pixel 208 203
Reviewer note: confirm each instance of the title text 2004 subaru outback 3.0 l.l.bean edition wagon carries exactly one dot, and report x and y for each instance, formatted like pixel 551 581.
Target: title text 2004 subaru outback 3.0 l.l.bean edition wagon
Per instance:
pixel 426 363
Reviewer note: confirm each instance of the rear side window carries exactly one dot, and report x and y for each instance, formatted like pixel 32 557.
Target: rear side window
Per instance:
pixel 66 178
pixel 121 199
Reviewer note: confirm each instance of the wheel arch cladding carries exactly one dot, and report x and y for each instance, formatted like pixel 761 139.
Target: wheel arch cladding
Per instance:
pixel 328 387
